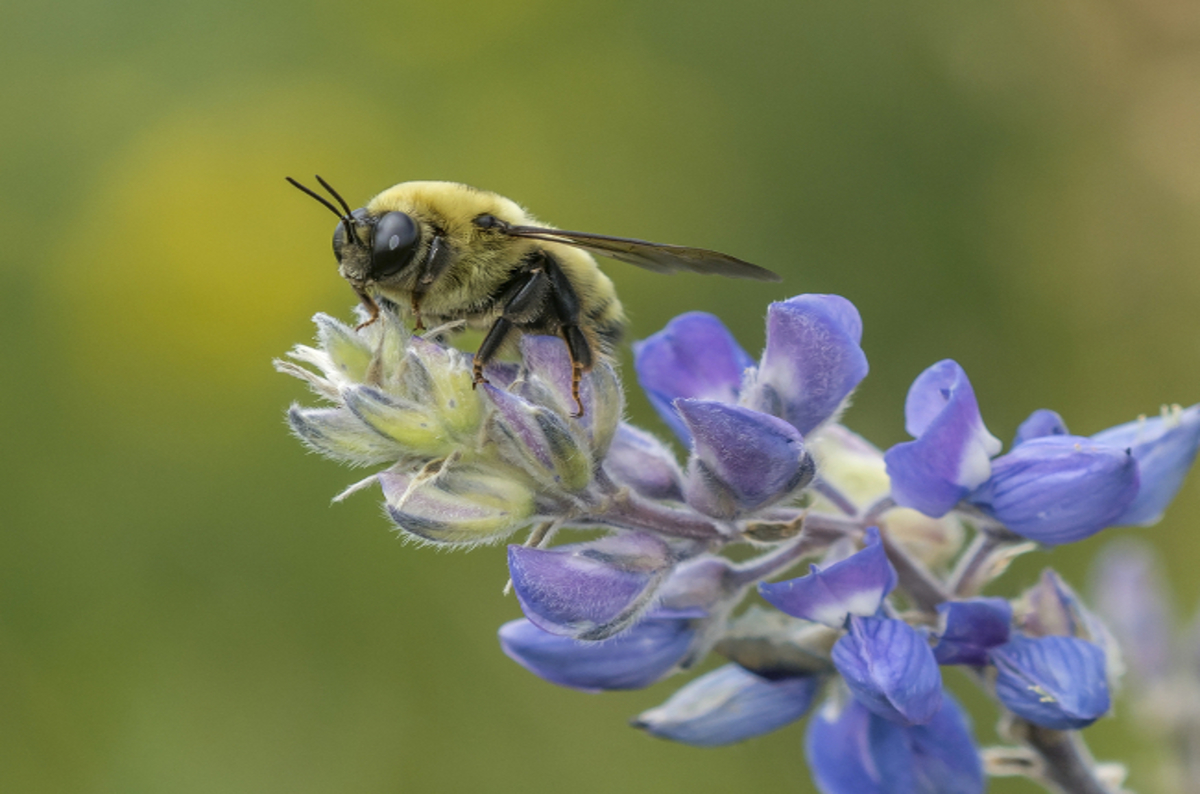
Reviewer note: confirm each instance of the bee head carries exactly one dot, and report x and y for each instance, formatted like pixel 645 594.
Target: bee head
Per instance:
pixel 367 248
pixel 375 249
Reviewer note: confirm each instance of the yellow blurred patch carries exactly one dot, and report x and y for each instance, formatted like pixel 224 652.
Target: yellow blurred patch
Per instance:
pixel 194 262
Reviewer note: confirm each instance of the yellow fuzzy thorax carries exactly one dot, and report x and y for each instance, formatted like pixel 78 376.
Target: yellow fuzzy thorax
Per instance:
pixel 483 261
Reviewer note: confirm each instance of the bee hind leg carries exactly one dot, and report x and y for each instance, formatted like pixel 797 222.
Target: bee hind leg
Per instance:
pixel 580 352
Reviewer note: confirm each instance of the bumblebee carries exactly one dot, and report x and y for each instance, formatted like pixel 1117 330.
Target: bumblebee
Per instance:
pixel 444 251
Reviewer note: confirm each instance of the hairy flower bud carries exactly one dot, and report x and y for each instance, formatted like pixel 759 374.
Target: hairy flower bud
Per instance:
pixel 590 591
pixel 457 504
pixel 741 460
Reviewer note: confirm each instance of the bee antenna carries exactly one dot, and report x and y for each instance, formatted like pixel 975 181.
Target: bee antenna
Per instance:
pixel 335 194
pixel 321 199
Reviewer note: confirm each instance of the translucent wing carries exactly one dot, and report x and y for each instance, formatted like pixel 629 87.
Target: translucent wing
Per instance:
pixel 659 257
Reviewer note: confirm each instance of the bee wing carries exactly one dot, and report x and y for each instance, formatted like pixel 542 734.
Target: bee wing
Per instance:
pixel 659 257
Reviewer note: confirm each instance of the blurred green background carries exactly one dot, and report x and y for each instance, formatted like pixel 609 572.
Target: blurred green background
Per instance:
pixel 1014 185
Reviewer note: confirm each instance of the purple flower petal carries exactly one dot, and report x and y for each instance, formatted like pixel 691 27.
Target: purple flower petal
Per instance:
pixel 742 460
pixel 1128 591
pixel 547 374
pixel 589 591
pixel 728 705
pixel 1059 489
pixel 1055 682
pixel 1051 608
pixel 546 359
pixel 1042 422
pixel 1164 448
pixel 950 457
pixel 644 463
pixel 969 629
pixel 636 659
pixel 694 356
pixel 890 668
pixel 856 585
pixel 539 440
pixel 813 360
pixel 852 751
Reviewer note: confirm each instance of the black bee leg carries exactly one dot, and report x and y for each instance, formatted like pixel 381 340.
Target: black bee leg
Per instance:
pixel 491 343
pixel 371 305
pixel 437 259
pixel 581 361
pixel 566 309
pixel 522 298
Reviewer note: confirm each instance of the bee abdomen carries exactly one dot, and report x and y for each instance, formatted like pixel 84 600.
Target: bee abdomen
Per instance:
pixel 606 318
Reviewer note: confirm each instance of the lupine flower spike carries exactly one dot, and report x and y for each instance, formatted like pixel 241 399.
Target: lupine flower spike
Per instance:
pixel 901 543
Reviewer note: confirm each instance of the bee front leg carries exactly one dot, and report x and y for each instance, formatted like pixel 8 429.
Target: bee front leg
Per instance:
pixel 371 305
pixel 416 310
pixel 437 259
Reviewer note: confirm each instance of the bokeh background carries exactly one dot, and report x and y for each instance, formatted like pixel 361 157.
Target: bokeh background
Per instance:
pixel 1015 185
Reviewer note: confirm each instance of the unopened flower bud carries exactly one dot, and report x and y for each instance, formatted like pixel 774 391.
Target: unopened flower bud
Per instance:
pixel 642 462
pixel 541 441
pixel 457 504
pixel 1055 682
pixel 890 668
pixel 742 460
pixel 728 705
pixel 590 591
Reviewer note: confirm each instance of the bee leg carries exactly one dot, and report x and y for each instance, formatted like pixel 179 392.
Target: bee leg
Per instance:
pixel 566 310
pixel 581 361
pixel 437 259
pixel 521 298
pixel 371 305
pixel 491 343
pixel 416 310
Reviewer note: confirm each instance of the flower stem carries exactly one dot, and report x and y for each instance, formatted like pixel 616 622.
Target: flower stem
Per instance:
pixel 925 591
pixel 776 561
pixel 835 496
pixel 977 565
pixel 1067 766
pixel 627 510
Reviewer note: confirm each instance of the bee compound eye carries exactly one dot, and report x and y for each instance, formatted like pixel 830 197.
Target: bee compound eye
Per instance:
pixel 395 241
pixel 339 239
